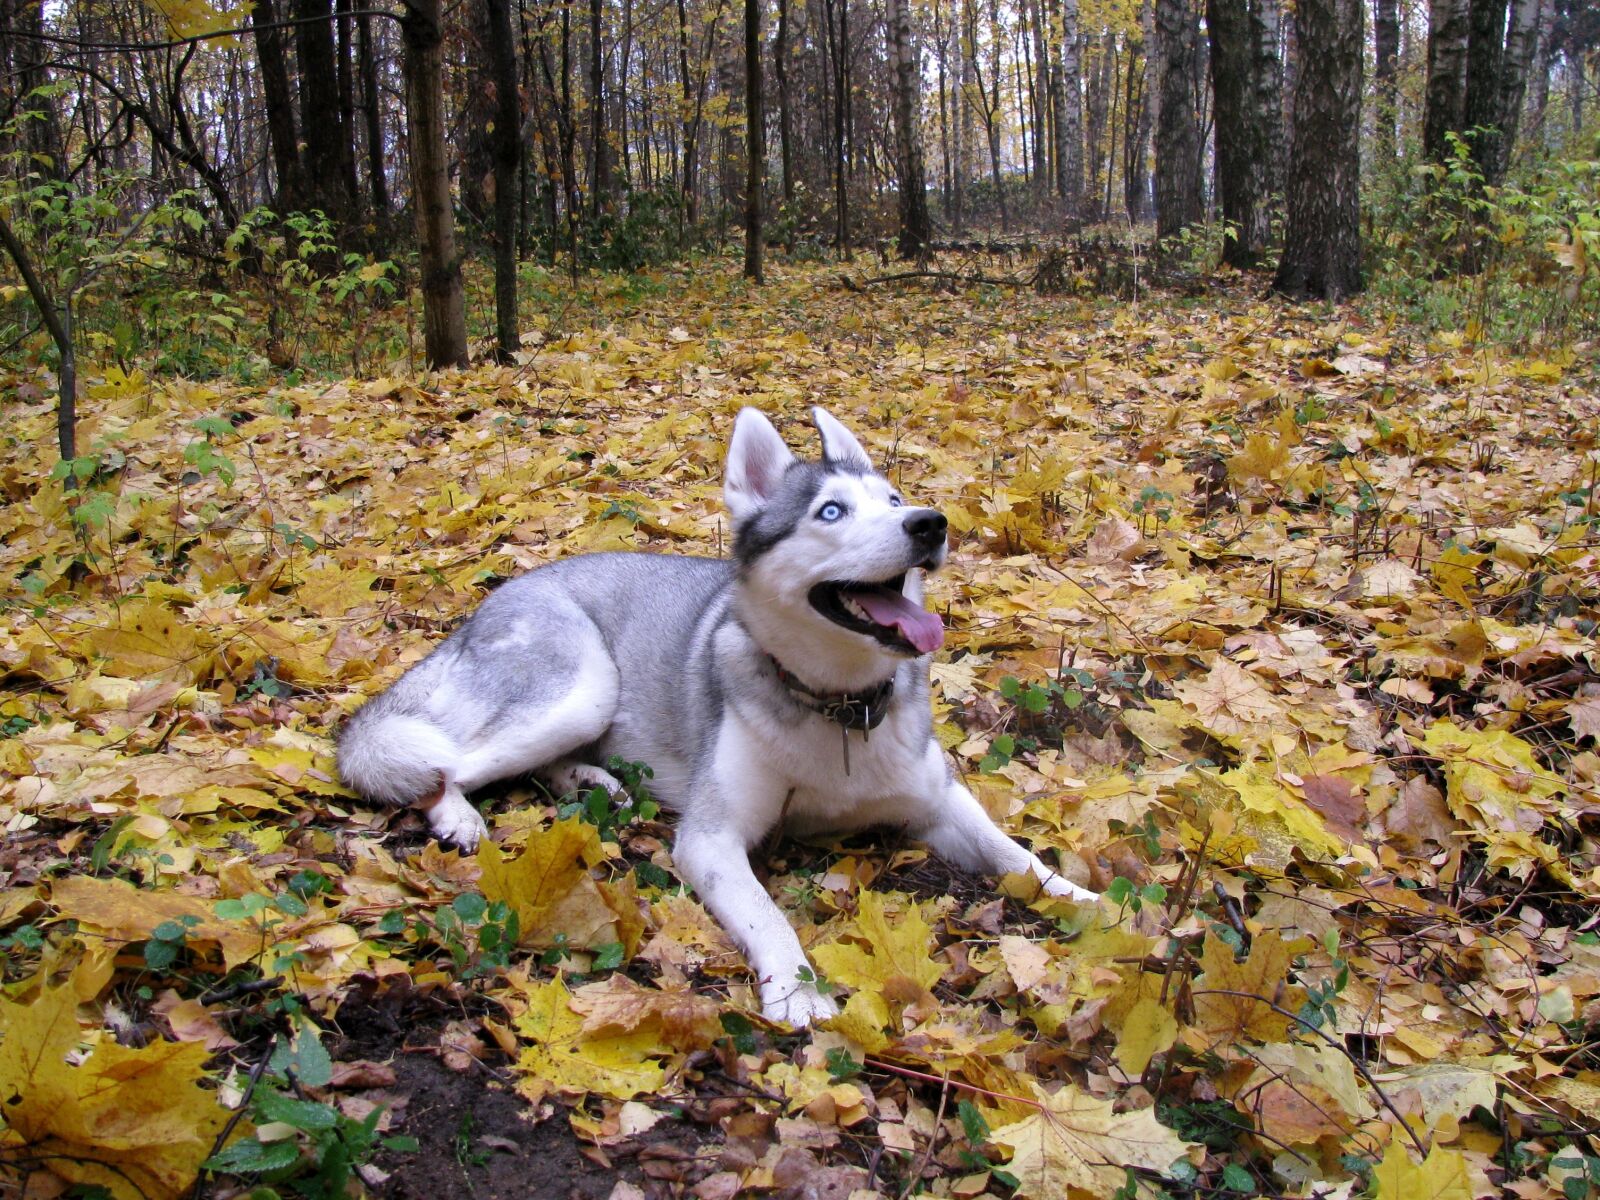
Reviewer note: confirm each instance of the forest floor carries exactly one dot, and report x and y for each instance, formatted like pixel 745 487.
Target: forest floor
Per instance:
pixel 1277 624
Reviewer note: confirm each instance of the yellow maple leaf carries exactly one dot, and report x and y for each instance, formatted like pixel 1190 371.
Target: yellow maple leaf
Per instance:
pixel 1260 791
pixel 682 1017
pixel 1076 1141
pixel 1442 1175
pixel 1299 1093
pixel 1493 780
pixel 1263 457
pixel 1233 1000
pixel 1147 1030
pixel 150 641
pixel 118 911
pixel 133 1121
pixel 549 886
pixel 1230 701
pixel 565 1058
pixel 896 940
pixel 335 589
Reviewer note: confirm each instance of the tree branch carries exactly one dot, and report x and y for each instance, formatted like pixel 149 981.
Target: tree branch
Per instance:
pixel 177 43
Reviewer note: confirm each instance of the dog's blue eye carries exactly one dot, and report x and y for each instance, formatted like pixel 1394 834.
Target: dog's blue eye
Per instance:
pixel 830 511
pixel 895 502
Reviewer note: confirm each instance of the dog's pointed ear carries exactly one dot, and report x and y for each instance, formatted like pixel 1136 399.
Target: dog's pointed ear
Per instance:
pixel 757 459
pixel 839 445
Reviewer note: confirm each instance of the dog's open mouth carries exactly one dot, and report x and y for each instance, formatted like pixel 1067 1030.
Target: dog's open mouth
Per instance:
pixel 881 611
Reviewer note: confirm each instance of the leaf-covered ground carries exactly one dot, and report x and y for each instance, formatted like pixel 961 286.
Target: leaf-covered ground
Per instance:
pixel 1276 625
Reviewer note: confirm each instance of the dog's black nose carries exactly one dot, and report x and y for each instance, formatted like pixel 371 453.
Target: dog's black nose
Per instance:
pixel 926 527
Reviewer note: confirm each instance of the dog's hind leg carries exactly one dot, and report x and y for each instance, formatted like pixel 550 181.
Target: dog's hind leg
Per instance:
pixel 527 737
pixel 502 697
pixel 571 775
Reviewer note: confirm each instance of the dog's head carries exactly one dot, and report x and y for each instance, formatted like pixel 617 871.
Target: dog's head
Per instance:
pixel 828 553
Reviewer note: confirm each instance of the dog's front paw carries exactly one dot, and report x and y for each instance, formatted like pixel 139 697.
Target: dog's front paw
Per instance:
pixel 453 819
pixel 796 1004
pixel 1060 885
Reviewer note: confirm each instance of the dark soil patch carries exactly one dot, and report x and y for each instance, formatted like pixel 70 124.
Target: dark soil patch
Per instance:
pixel 477 1138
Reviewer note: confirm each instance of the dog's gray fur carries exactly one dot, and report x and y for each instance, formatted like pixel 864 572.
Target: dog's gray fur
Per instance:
pixel 671 661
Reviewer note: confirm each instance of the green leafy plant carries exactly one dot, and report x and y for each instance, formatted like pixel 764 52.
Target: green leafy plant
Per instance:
pixel 976 1131
pixel 325 1148
pixel 608 813
pixel 167 941
pixel 1123 893
pixel 815 979
pixel 1319 1010
pixel 478 936
pixel 841 1066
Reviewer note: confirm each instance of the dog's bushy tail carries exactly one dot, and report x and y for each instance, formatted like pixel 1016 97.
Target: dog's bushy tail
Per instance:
pixel 392 757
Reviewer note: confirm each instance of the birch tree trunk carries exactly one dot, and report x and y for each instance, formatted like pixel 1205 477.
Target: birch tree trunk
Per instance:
pixel 506 143
pixel 1066 97
pixel 599 151
pixel 780 65
pixel 916 229
pixel 279 99
pixel 444 319
pixel 1322 241
pixel 1386 41
pixel 1178 149
pixel 1521 37
pixel 755 143
pixel 1445 105
pixel 1243 136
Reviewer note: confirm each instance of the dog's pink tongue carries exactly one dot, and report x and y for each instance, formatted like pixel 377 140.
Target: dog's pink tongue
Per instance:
pixel 916 624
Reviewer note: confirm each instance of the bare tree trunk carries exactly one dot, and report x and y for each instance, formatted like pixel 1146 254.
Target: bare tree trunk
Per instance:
pixel 1097 114
pixel 1138 117
pixel 967 53
pixel 620 95
pixel 320 128
pixel 507 146
pixel 1543 63
pixel 780 65
pixel 1386 39
pixel 839 43
pixel 686 171
pixel 1501 140
pixel 755 143
pixel 1111 141
pixel 992 113
pixel 474 147
pixel 567 123
pixel 1066 95
pixel 941 41
pixel 372 109
pixel 443 304
pixel 1178 149
pixel 1266 35
pixel 1445 106
pixel 599 151
pixel 1322 242
pixel 1244 147
pixel 347 101
pixel 1037 53
pixel 916 229
pixel 1486 25
pixel 57 320
pixel 279 99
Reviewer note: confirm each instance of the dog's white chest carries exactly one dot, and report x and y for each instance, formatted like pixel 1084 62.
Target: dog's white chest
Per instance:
pixel 848 780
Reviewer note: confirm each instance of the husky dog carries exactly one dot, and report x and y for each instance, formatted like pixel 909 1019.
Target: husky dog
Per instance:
pixel 788 685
